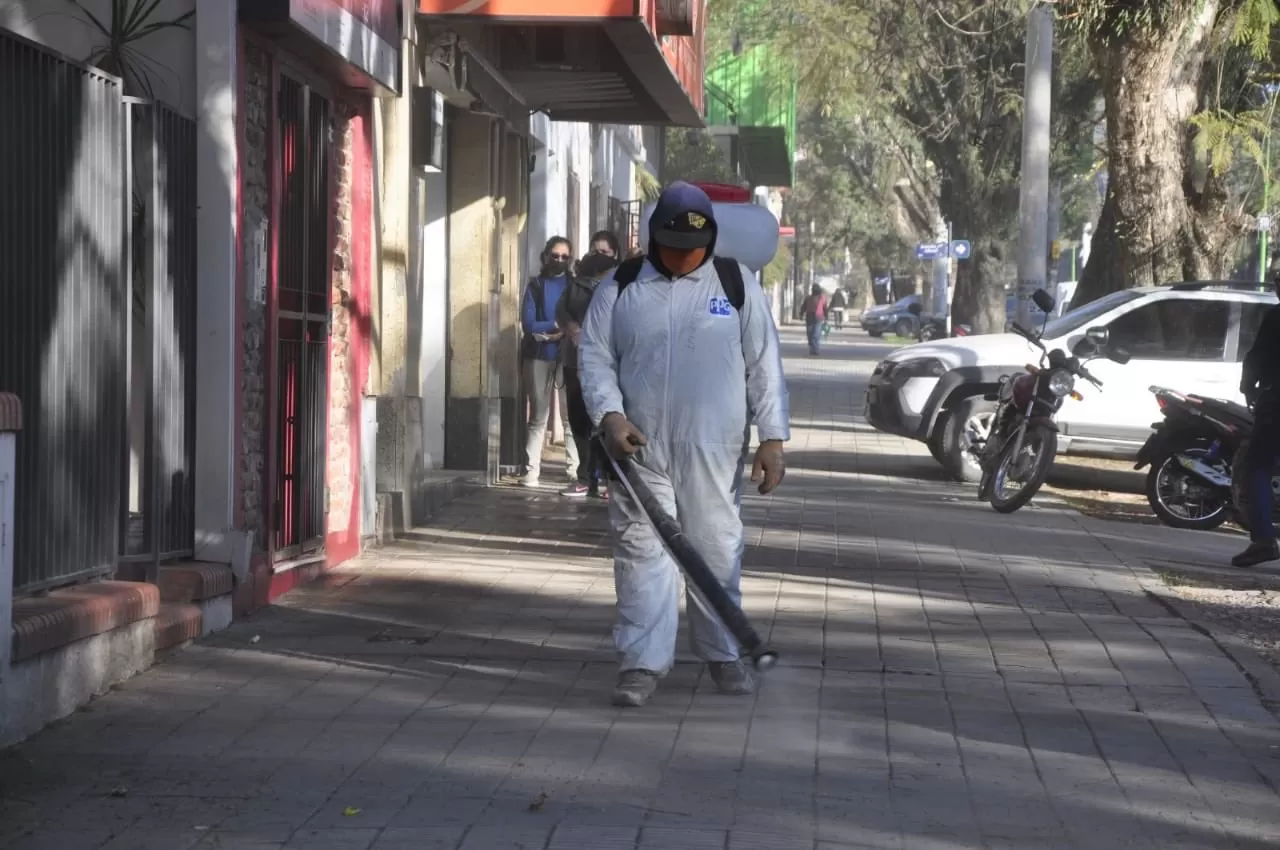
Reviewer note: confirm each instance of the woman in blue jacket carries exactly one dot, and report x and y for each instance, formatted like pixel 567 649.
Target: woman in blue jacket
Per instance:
pixel 541 354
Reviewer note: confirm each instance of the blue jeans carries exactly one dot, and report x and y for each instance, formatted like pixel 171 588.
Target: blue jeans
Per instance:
pixel 813 325
pixel 1264 446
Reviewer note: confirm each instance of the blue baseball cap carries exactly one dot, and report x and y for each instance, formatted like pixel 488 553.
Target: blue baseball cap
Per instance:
pixel 683 218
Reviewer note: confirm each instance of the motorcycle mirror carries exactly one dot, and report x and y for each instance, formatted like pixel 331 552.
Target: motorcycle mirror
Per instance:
pixel 1119 355
pixel 1043 300
pixel 915 309
pixel 1084 347
pixel 1100 335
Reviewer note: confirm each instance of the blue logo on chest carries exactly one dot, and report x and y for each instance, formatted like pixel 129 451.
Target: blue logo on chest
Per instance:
pixel 719 306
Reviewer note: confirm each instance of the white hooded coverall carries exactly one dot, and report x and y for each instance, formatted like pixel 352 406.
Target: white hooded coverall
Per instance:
pixel 692 374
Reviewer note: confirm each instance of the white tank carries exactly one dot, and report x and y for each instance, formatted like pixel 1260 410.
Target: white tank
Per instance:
pixel 748 233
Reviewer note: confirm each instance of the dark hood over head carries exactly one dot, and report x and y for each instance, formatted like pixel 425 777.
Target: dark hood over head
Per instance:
pixel 683 220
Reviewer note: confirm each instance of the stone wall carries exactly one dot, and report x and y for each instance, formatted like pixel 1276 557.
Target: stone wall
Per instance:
pixel 255 165
pixel 342 460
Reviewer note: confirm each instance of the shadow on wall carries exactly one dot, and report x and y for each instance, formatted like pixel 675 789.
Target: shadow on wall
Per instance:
pixel 62 337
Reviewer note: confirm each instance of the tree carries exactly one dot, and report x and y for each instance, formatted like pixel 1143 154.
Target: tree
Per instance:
pixel 693 155
pixel 1179 83
pixel 943 82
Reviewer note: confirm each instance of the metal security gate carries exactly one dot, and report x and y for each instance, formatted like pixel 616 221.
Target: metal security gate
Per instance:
pixel 63 327
pixel 306 134
pixel 158 520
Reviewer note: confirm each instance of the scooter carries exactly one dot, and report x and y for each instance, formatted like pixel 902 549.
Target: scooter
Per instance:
pixel 1191 454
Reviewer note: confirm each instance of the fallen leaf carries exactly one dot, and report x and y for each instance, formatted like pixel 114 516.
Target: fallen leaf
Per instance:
pixel 536 805
pixel 120 791
pixel 351 811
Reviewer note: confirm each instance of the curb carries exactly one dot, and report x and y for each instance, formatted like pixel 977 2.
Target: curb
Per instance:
pixel 1264 677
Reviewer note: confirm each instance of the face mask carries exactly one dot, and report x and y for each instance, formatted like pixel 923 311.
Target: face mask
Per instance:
pixel 556 266
pixel 681 262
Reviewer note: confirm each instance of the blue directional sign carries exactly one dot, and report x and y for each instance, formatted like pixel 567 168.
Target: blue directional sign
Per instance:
pixel 961 249
pixel 931 250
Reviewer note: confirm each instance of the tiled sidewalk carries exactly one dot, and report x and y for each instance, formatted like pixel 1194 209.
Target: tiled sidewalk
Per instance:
pixel 950 679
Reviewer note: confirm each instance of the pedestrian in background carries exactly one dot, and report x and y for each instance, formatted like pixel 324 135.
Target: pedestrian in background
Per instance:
pixel 540 347
pixel 604 242
pixel 839 301
pixel 815 313
pixel 571 312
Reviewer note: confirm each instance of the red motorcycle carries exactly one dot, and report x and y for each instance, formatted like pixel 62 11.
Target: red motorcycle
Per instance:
pixel 1023 440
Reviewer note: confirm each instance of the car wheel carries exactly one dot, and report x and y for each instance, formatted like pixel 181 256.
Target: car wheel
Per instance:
pixel 903 327
pixel 964 431
pixel 935 444
pixel 875 334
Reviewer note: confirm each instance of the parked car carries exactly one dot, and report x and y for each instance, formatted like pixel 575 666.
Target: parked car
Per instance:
pixel 1192 335
pixel 895 317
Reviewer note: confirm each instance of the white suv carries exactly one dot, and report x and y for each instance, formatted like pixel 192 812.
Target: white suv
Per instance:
pixel 1190 337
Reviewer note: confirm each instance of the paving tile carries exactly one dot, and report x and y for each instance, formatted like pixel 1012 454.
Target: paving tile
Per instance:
pixel 950 678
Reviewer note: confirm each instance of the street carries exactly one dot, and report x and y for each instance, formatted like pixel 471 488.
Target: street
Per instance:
pixel 950 678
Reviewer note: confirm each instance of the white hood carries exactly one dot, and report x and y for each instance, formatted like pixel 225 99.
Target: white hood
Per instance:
pixel 981 350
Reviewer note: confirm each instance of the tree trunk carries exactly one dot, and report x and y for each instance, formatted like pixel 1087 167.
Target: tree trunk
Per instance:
pixel 979 297
pixel 1150 84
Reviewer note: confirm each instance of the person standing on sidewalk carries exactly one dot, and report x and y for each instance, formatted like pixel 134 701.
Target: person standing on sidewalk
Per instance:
pixel 815 313
pixel 679 356
pixel 1260 384
pixel 571 312
pixel 540 349
pixel 839 301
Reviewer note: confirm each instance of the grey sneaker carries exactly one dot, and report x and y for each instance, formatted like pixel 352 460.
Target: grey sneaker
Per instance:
pixel 634 688
pixel 732 677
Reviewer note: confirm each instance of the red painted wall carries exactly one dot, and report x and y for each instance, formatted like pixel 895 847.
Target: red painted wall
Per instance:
pixel 351 317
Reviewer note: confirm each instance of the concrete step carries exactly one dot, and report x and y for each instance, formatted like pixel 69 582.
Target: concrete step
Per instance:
pixel 194 581
pixel 178 623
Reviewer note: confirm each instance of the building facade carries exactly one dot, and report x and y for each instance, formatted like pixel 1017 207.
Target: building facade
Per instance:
pixel 284 283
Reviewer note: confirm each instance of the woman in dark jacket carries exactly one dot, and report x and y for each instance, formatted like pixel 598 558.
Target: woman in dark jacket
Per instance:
pixel 571 312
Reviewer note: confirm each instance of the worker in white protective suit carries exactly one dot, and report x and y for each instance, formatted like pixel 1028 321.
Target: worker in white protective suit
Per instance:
pixel 674 370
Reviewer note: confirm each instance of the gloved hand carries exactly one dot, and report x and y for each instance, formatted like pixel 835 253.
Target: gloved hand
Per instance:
pixel 769 468
pixel 621 438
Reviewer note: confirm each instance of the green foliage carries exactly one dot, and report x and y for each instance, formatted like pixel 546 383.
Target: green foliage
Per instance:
pixel 693 155
pixel 779 268
pixel 129 23
pixel 1221 134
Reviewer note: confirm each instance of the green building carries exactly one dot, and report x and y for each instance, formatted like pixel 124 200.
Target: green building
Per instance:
pixel 751 112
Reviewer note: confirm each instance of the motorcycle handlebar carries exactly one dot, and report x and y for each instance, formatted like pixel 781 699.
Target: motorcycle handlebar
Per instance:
pixel 1084 373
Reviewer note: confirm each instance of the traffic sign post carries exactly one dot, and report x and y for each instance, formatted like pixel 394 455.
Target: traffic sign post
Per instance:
pixel 961 249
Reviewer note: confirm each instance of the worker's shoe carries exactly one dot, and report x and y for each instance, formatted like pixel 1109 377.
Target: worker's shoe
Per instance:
pixel 634 688
pixel 1259 552
pixel 732 677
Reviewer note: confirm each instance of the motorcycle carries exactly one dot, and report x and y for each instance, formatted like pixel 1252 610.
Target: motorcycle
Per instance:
pixel 1023 440
pixel 929 328
pixel 1191 453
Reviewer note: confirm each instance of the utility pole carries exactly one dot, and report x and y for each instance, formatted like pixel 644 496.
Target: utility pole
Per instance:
pixel 1033 206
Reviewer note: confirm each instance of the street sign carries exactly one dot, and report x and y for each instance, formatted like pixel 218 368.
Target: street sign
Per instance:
pixel 961 249
pixel 1264 222
pixel 931 250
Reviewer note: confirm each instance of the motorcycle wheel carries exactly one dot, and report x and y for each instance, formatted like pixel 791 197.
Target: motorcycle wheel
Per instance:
pixel 1240 494
pixel 1036 435
pixel 1168 466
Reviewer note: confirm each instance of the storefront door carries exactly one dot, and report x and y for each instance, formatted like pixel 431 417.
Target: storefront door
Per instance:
pixel 306 142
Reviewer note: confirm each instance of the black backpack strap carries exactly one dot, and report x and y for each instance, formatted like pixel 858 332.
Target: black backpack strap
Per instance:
pixel 627 272
pixel 727 269
pixel 730 273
